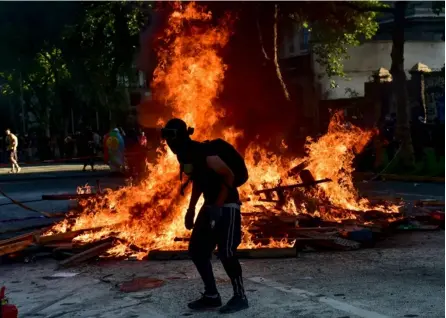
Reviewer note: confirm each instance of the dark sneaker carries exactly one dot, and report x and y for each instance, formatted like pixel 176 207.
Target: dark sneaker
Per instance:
pixel 205 302
pixel 236 303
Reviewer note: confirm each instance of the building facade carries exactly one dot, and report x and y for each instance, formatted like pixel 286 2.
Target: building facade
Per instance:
pixel 424 35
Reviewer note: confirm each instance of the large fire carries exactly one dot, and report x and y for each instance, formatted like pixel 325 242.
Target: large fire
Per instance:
pixel 187 80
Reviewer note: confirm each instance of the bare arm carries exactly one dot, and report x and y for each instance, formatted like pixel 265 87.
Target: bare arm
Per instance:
pixel 196 194
pixel 14 141
pixel 220 167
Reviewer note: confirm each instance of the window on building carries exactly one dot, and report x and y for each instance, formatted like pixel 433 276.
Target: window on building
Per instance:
pixel 291 48
pixel 135 98
pixel 304 40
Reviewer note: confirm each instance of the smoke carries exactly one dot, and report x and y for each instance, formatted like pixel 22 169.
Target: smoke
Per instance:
pixel 253 97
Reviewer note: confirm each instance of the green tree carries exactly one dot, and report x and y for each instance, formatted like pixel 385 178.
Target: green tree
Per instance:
pixel 64 56
pixel 398 10
pixel 254 83
pixel 335 26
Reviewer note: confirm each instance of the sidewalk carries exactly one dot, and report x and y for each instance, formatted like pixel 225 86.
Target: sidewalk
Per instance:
pixel 51 171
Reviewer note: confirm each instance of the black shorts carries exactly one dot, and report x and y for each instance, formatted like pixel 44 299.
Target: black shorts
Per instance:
pixel 13 155
pixel 226 234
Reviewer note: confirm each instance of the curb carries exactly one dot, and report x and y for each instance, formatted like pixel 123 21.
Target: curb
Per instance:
pixel 52 175
pixel 360 176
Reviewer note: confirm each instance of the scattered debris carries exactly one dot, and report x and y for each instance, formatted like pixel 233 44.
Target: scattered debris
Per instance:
pixel 67 196
pixel 273 233
pixel 88 254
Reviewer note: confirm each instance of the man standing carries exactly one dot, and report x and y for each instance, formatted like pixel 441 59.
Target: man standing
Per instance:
pixel 114 148
pixel 12 143
pixel 216 169
pixel 142 139
pixel 89 145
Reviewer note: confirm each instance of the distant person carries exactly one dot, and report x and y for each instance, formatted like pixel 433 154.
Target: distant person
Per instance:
pixel 114 148
pixel 142 140
pixel 97 139
pixel 69 147
pixel 89 149
pixel 12 143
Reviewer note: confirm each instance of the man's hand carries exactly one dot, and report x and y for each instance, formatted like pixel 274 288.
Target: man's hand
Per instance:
pixel 214 215
pixel 189 219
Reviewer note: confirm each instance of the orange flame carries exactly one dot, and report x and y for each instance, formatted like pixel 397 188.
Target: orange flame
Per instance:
pixel 187 80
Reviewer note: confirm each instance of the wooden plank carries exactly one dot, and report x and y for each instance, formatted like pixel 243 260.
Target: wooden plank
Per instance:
pixel 332 242
pixel 292 186
pixel 61 246
pixel 87 255
pixel 67 196
pixel 295 170
pixel 27 237
pixel 430 203
pixel 67 236
pixel 14 247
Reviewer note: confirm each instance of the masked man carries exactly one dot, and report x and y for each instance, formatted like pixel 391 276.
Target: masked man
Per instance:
pixel 216 169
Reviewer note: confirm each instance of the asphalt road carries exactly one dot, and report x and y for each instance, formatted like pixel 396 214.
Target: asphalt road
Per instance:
pixel 401 277
pixel 49 180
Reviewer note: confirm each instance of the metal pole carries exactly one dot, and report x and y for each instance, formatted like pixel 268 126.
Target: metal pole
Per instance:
pixel 22 103
pixel 97 121
pixel 72 121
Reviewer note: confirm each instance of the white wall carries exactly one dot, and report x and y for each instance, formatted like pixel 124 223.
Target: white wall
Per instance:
pixel 369 57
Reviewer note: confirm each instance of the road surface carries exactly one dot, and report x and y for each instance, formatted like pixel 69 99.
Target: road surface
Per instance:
pixel 401 277
pixel 404 277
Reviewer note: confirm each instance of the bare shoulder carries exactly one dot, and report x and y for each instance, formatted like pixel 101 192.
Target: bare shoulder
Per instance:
pixel 214 161
pixel 217 164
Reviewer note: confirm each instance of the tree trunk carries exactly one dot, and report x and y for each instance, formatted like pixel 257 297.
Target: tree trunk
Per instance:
pixel 407 158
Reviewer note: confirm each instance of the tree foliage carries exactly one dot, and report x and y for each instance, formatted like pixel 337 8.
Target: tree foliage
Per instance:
pixel 335 27
pixel 69 55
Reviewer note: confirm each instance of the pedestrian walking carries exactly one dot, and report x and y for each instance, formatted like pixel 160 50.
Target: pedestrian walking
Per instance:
pixel 142 139
pixel 216 169
pixel 89 149
pixel 12 143
pixel 114 148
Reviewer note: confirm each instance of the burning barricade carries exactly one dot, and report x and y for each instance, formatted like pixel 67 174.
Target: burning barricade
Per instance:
pixel 289 203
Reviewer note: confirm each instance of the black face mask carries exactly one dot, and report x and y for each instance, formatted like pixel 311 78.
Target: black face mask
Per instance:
pixel 174 145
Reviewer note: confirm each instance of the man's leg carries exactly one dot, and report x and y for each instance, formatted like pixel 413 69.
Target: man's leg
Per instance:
pixel 16 159
pixel 201 245
pixel 13 158
pixel 92 162
pixel 229 238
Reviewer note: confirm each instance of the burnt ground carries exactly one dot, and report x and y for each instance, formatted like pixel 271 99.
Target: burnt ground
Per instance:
pixel 402 276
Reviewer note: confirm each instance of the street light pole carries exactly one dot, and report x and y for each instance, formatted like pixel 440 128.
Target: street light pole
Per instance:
pixel 22 103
